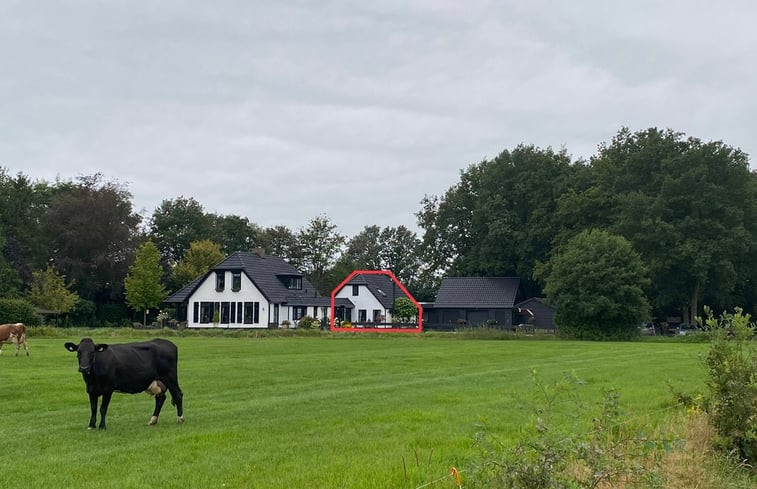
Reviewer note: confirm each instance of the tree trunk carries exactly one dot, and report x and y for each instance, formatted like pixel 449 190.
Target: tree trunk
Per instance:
pixel 694 302
pixel 144 318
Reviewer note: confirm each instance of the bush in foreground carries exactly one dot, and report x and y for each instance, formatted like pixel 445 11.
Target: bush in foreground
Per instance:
pixel 732 368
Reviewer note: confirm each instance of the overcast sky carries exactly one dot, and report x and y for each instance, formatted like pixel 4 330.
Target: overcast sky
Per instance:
pixel 282 111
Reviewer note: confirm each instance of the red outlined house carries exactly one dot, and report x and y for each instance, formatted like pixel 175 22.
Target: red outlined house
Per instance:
pixel 373 293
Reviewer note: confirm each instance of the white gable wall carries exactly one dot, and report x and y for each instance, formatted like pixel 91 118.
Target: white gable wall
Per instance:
pixel 364 300
pixel 207 292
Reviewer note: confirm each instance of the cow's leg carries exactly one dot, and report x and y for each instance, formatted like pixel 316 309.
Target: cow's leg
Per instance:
pixel 177 397
pixel 104 408
pixel 26 346
pixel 93 411
pixel 159 400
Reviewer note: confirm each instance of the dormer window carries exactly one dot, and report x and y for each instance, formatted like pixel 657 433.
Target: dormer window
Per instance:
pixel 355 290
pixel 220 281
pixel 295 283
pixel 236 281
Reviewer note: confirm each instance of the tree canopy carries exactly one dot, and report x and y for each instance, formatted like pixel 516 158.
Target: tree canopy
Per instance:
pixel 49 290
pixel 144 289
pixel 197 260
pixel 596 281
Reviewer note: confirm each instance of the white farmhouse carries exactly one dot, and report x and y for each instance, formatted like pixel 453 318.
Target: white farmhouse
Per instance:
pixel 250 290
pixel 373 299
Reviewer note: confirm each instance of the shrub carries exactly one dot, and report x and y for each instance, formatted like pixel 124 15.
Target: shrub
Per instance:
pixel 83 314
pixel 307 322
pixel 732 367
pixel 19 311
pixel 405 310
pixel 565 450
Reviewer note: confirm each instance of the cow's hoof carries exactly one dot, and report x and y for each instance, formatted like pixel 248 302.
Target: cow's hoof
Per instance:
pixel 153 421
pixel 180 419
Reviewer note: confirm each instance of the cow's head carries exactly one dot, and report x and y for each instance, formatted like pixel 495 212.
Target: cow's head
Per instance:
pixel 85 351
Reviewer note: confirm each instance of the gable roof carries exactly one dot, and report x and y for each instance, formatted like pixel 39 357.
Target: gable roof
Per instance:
pixel 478 292
pixel 382 287
pixel 265 271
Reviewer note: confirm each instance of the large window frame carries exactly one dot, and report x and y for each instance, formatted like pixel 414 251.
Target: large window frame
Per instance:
pixel 206 312
pixel 298 312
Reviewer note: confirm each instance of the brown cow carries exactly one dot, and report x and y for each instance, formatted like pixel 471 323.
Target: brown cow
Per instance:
pixel 16 334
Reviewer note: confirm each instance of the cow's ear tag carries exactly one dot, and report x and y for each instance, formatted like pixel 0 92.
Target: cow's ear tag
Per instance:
pixel 71 346
pixel 101 347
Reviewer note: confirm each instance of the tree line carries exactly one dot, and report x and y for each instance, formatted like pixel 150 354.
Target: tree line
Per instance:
pixel 667 223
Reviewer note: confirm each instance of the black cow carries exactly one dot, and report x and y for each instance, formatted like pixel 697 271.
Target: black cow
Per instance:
pixel 149 366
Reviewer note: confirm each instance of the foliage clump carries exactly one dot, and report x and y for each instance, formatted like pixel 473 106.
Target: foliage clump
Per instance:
pixel 732 367
pixel 564 449
pixel 596 281
pixel 18 311
pixel 405 310
pixel 308 322
pixel 49 290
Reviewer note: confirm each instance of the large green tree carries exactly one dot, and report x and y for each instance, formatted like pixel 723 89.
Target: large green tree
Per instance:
pixel 144 289
pixel 321 245
pixel 93 233
pixel 499 220
pixel 596 281
pixel 688 207
pixel 283 242
pixel 235 233
pixel 24 245
pixel 175 224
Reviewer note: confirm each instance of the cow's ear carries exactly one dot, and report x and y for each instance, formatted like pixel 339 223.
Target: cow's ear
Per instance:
pixel 71 346
pixel 101 347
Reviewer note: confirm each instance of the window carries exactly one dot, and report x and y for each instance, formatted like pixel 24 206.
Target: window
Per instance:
pixel 256 312
pixel 377 316
pixel 355 290
pixel 236 281
pixel 233 310
pixel 225 309
pixel 220 281
pixel 196 312
pixel 240 308
pixel 295 283
pixel 249 313
pixel 206 312
pixel 362 315
pixel 298 312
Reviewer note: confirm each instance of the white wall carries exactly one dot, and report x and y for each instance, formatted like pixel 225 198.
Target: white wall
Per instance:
pixel 247 293
pixel 364 300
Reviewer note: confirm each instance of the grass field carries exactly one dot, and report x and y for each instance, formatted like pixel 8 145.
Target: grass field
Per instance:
pixel 308 412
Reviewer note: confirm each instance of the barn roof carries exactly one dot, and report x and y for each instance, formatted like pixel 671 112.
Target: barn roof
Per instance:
pixel 478 292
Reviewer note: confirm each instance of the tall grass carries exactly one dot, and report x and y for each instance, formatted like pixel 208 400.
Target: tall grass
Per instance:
pixel 320 411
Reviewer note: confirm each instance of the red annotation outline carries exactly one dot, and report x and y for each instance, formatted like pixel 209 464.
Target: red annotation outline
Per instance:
pixel 376 330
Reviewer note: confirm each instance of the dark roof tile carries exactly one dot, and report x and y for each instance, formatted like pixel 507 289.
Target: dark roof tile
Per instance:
pixel 478 292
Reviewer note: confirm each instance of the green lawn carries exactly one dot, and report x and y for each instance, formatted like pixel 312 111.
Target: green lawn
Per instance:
pixel 308 412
